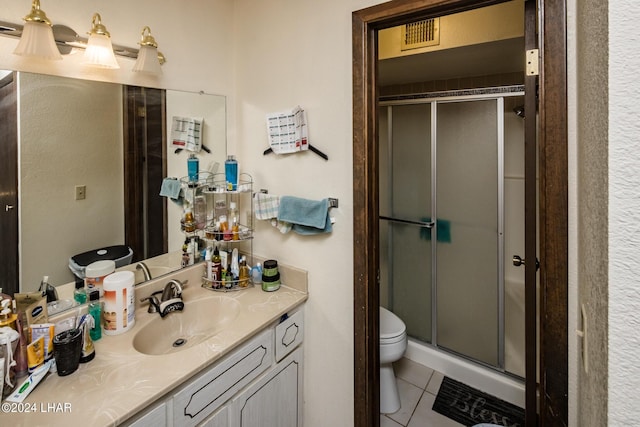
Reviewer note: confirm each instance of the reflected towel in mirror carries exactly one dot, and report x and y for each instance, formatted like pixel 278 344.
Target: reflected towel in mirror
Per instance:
pixel 172 189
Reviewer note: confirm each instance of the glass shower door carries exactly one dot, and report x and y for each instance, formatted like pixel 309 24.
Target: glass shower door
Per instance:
pixel 468 166
pixel 405 211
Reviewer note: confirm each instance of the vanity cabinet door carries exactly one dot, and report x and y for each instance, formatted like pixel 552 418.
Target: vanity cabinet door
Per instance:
pixel 154 417
pixel 218 419
pixel 203 395
pixel 275 399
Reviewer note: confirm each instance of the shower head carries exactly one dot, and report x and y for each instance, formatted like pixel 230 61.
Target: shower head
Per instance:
pixel 519 110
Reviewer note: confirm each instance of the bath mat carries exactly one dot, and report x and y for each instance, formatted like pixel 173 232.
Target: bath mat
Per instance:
pixel 469 406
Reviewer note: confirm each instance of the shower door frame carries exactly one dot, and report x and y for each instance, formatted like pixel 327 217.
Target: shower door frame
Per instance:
pixel 497 94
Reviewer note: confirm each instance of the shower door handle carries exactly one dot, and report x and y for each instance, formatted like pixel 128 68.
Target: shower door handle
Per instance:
pixel 409 222
pixel 518 261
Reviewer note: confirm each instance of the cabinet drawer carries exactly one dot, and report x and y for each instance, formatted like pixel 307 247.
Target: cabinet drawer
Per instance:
pixel 200 398
pixel 289 335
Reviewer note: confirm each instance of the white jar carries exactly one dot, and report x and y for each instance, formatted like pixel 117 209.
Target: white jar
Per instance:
pixel 119 302
pixel 95 273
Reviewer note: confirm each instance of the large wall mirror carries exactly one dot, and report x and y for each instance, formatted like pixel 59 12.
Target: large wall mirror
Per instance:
pixel 73 141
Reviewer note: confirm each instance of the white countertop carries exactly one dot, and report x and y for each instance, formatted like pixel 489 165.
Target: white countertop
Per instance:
pixel 120 381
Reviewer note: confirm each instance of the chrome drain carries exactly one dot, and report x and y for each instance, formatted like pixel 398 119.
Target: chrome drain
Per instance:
pixel 179 342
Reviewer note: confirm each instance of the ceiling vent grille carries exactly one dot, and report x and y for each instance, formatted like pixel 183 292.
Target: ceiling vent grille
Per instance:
pixel 421 34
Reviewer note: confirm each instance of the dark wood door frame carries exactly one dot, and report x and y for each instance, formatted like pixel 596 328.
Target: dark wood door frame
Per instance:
pixel 10 268
pixel 552 143
pixel 145 166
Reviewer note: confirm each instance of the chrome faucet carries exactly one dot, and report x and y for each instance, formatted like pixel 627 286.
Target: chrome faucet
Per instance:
pixel 145 270
pixel 171 299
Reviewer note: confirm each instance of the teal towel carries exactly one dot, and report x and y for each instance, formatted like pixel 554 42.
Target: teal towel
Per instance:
pixel 172 189
pixel 443 228
pixel 306 216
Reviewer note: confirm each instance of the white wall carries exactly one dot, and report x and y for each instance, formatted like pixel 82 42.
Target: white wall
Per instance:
pixel 624 213
pixel 289 53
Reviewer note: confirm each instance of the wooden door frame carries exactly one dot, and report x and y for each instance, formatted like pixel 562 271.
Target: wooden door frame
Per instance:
pixel 141 106
pixel 553 187
pixel 9 276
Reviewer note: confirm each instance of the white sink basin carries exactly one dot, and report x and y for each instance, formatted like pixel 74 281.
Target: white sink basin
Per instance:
pixel 179 330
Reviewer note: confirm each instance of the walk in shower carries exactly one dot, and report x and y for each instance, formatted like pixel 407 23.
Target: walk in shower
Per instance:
pixel 451 218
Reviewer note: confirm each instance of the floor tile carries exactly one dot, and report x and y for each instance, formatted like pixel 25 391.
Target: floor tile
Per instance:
pixel 435 382
pixel 412 372
pixel 409 397
pixel 388 422
pixel 425 416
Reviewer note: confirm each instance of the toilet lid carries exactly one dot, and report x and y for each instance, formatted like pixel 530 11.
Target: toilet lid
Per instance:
pixel 391 326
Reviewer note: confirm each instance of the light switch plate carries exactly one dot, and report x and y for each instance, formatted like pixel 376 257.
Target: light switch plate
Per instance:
pixel 81 192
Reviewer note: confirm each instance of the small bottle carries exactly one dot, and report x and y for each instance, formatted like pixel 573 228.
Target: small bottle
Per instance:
pixel 231 173
pixel 21 351
pixel 233 218
pixel 225 230
pixel 256 274
pixel 228 280
pixel 217 231
pixel 80 294
pixel 193 167
pixel 216 268
pixel 95 310
pixel 245 272
pixel 189 223
pixel 200 212
pixel 185 255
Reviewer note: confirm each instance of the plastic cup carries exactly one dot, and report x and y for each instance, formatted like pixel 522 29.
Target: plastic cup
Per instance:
pixel 67 347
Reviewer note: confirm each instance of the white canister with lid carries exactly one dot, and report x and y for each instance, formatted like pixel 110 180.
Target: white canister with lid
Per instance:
pixel 119 302
pixel 95 273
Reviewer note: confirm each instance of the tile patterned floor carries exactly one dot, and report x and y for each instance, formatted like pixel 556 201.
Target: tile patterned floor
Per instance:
pixel 418 386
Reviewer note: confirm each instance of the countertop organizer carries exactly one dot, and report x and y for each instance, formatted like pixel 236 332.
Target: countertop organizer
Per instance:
pixel 210 197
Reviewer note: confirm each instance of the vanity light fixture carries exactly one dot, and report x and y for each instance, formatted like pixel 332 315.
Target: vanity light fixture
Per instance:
pixel 60 39
pixel 149 60
pixel 37 36
pixel 99 50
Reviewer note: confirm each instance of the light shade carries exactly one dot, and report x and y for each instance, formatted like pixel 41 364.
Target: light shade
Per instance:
pixel 37 36
pixel 99 52
pixel 148 61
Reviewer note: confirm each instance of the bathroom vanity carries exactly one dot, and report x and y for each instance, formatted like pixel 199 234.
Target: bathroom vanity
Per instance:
pixel 246 370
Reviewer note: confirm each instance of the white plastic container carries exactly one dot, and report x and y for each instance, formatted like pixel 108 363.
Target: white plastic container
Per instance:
pixel 95 273
pixel 119 302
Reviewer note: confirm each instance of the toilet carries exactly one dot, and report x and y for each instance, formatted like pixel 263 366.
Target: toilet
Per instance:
pixel 393 343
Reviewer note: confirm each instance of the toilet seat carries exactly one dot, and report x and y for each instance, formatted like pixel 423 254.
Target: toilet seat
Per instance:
pixel 392 328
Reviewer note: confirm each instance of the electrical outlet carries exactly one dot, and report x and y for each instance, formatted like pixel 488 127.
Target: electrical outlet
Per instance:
pixel 81 192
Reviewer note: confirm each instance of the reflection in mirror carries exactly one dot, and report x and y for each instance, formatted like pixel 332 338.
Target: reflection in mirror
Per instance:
pixel 71 170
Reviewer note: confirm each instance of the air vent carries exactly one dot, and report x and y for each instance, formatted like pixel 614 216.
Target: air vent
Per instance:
pixel 421 34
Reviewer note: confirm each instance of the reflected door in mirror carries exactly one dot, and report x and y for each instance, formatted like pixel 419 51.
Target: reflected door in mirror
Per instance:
pixel 9 185
pixel 145 165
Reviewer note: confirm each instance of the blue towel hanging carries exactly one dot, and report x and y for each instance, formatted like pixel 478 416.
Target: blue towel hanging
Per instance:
pixel 306 216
